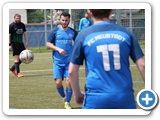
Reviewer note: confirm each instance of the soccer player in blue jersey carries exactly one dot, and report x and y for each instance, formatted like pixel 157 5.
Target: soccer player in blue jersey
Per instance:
pixel 85 22
pixel 106 48
pixel 60 41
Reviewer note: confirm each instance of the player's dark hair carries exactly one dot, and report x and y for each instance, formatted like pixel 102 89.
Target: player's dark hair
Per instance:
pixel 17 15
pixel 86 13
pixel 100 13
pixel 65 14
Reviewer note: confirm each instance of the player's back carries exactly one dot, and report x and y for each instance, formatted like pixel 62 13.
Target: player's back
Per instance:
pixel 108 63
pixel 106 48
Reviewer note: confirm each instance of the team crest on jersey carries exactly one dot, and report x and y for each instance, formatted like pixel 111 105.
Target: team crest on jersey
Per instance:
pixel 70 35
pixel 19 31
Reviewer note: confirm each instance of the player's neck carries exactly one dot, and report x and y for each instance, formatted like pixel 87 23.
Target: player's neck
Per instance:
pixel 17 22
pixel 101 20
pixel 64 28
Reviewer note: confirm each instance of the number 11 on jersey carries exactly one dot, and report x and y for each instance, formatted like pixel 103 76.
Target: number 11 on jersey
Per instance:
pixel 105 55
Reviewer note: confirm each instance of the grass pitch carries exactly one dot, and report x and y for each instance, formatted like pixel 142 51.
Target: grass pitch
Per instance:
pixel 37 89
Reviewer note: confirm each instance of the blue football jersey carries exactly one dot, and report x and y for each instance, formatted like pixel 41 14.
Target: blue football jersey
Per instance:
pixel 62 39
pixel 106 48
pixel 84 23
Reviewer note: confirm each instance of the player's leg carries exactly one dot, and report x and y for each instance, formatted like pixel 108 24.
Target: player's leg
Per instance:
pixel 20 48
pixel 12 69
pixel 68 94
pixel 58 79
pixel 13 66
pixel 59 87
pixel 68 88
pixel 16 60
pixel 16 63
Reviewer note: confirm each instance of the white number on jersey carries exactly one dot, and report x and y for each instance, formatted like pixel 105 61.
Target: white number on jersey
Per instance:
pixel 105 55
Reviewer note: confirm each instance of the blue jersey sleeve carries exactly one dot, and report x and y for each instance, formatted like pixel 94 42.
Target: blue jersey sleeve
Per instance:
pixel 75 33
pixel 136 51
pixel 77 55
pixel 51 37
pixel 80 25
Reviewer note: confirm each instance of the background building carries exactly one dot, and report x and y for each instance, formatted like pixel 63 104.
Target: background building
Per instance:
pixel 22 12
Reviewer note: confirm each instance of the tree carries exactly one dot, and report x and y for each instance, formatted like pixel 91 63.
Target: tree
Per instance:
pixel 37 16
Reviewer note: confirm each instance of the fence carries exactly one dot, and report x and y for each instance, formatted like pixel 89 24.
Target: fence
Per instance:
pixel 133 19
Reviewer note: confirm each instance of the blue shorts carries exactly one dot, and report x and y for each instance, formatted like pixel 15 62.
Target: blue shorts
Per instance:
pixel 108 101
pixel 60 69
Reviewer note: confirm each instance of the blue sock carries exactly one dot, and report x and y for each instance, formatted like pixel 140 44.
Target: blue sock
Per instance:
pixel 61 91
pixel 68 94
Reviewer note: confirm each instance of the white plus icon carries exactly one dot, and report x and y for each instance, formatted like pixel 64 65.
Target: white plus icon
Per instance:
pixel 147 99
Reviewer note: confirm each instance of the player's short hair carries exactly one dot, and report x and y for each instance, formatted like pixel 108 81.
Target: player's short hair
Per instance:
pixel 101 13
pixel 65 14
pixel 17 15
pixel 86 13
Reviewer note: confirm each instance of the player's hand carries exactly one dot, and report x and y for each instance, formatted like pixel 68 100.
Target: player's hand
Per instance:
pixel 26 45
pixel 79 98
pixel 62 52
pixel 10 48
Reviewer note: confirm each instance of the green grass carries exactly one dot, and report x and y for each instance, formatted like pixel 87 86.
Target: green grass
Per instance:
pixel 37 89
pixel 41 49
pixel 44 49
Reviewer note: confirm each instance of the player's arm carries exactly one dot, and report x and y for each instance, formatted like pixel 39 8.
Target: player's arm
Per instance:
pixel 55 48
pixel 141 67
pixel 76 59
pixel 80 25
pixel 137 56
pixel 26 38
pixel 9 38
pixel 10 31
pixel 74 80
pixel 51 43
pixel 52 47
pixel 10 47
